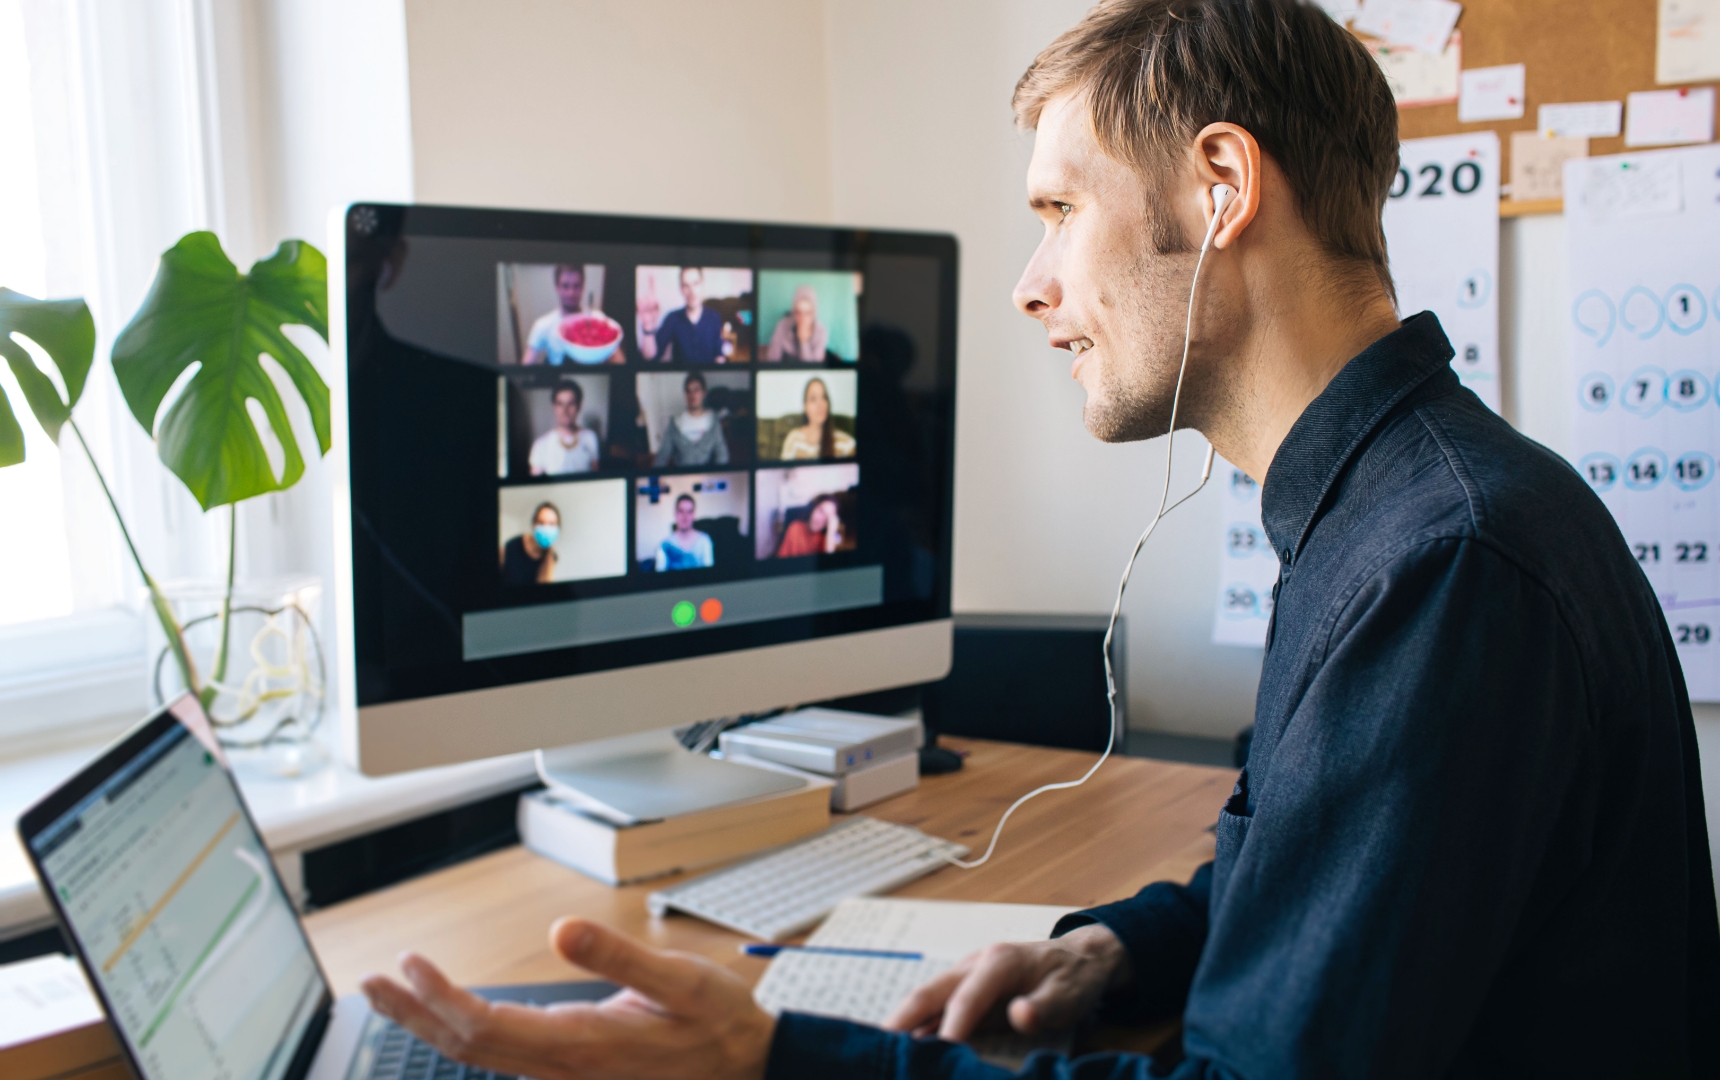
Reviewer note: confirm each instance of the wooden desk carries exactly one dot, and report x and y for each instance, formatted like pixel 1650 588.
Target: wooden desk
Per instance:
pixel 486 921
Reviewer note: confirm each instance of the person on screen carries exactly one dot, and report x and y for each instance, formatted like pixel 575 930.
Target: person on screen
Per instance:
pixel 685 548
pixel 567 448
pixel 545 345
pixel 692 334
pixel 529 559
pixel 819 534
pixel 816 437
pixel 799 335
pixel 694 437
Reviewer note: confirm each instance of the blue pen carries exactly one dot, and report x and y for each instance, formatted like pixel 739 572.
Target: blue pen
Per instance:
pixel 824 950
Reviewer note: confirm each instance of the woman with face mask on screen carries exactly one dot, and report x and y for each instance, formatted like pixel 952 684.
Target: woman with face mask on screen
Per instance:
pixel 529 559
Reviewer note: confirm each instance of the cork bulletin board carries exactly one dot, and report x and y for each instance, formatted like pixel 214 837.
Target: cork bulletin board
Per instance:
pixel 1573 50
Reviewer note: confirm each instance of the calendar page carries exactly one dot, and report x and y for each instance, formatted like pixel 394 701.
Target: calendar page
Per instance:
pixel 1442 236
pixel 1645 352
pixel 1247 568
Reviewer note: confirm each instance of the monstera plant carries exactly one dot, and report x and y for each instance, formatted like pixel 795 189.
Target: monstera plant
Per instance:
pixel 200 311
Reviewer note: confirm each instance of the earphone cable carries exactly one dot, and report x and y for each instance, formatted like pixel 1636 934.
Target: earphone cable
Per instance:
pixel 1129 567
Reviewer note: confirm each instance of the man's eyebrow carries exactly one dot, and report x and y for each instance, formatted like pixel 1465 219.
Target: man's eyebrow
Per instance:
pixel 1045 198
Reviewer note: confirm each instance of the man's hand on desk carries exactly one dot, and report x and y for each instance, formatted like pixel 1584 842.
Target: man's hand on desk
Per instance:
pixel 683 1016
pixel 1050 985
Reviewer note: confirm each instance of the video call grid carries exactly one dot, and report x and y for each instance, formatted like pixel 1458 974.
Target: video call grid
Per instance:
pixel 579 305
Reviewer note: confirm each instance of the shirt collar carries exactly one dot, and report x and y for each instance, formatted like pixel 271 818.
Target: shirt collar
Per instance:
pixel 1334 426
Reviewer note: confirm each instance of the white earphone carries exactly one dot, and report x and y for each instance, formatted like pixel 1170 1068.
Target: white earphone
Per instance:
pixel 1221 196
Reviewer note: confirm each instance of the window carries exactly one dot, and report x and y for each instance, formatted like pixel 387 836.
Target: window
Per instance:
pixel 35 570
pixel 72 630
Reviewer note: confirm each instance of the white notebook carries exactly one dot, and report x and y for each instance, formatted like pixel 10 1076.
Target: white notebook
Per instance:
pixel 866 989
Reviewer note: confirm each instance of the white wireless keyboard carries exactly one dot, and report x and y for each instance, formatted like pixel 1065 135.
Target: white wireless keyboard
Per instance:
pixel 780 893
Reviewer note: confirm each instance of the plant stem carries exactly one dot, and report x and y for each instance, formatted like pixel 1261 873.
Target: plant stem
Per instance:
pixel 220 672
pixel 163 610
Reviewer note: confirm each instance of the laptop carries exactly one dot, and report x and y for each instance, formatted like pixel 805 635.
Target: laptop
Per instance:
pixel 171 900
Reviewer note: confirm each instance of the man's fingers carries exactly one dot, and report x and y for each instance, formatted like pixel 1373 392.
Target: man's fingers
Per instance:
pixel 670 980
pixel 997 973
pixel 405 1008
pixel 460 1009
pixel 926 1003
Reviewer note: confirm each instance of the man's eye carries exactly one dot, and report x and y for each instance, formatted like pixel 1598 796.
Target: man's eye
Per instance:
pixel 1063 209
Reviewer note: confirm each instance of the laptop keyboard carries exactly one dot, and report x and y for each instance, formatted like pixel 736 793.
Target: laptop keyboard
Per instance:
pixel 390 1052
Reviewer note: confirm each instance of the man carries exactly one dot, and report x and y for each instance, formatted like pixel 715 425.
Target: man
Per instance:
pixel 691 334
pixel 567 447
pixel 545 345
pixel 1469 839
pixel 695 436
pixel 685 548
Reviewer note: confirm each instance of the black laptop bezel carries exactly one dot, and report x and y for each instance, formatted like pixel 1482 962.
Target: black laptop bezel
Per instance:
pixel 52 806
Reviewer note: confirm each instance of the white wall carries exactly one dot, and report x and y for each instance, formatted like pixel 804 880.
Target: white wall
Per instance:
pixel 649 106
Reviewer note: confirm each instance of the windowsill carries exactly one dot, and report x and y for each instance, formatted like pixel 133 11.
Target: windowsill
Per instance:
pixel 295 815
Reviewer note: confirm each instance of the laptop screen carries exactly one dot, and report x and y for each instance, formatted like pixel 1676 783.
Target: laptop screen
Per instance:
pixel 180 917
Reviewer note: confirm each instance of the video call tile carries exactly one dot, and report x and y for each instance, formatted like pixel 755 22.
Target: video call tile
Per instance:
pixel 807 510
pixel 807 415
pixel 562 532
pixel 690 522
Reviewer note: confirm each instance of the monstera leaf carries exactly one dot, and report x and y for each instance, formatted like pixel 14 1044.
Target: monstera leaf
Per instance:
pixel 65 331
pixel 202 311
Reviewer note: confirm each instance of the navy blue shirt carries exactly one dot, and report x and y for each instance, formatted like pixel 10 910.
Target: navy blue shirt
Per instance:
pixel 687 342
pixel 1470 837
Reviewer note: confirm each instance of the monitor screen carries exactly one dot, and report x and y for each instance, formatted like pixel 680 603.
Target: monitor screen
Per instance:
pixel 180 918
pixel 583 443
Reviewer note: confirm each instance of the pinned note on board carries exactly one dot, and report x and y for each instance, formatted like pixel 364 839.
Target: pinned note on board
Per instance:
pixel 1538 164
pixel 1670 117
pixel 1419 78
pixel 1687 43
pixel 1419 24
pixel 1585 119
pixel 1492 93
pixel 1625 186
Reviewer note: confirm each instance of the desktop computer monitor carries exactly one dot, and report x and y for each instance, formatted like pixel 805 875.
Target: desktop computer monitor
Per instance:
pixel 601 475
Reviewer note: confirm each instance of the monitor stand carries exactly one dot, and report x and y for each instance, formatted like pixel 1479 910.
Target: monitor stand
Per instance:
pixel 630 779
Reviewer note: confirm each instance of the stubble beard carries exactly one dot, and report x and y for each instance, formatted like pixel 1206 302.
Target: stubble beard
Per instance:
pixel 1137 383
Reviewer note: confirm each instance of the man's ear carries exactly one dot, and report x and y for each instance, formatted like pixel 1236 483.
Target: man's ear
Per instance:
pixel 1228 154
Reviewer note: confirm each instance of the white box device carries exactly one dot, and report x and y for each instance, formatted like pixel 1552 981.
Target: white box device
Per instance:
pixel 828 741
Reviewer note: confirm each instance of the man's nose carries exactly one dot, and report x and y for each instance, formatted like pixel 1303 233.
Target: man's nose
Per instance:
pixel 1037 293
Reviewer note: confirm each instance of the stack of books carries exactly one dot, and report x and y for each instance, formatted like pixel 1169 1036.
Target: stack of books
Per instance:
pixel 865 758
pixel 585 833
pixel 51 1027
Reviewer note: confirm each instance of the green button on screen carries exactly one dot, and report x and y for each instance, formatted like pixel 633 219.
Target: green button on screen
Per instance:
pixel 683 614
